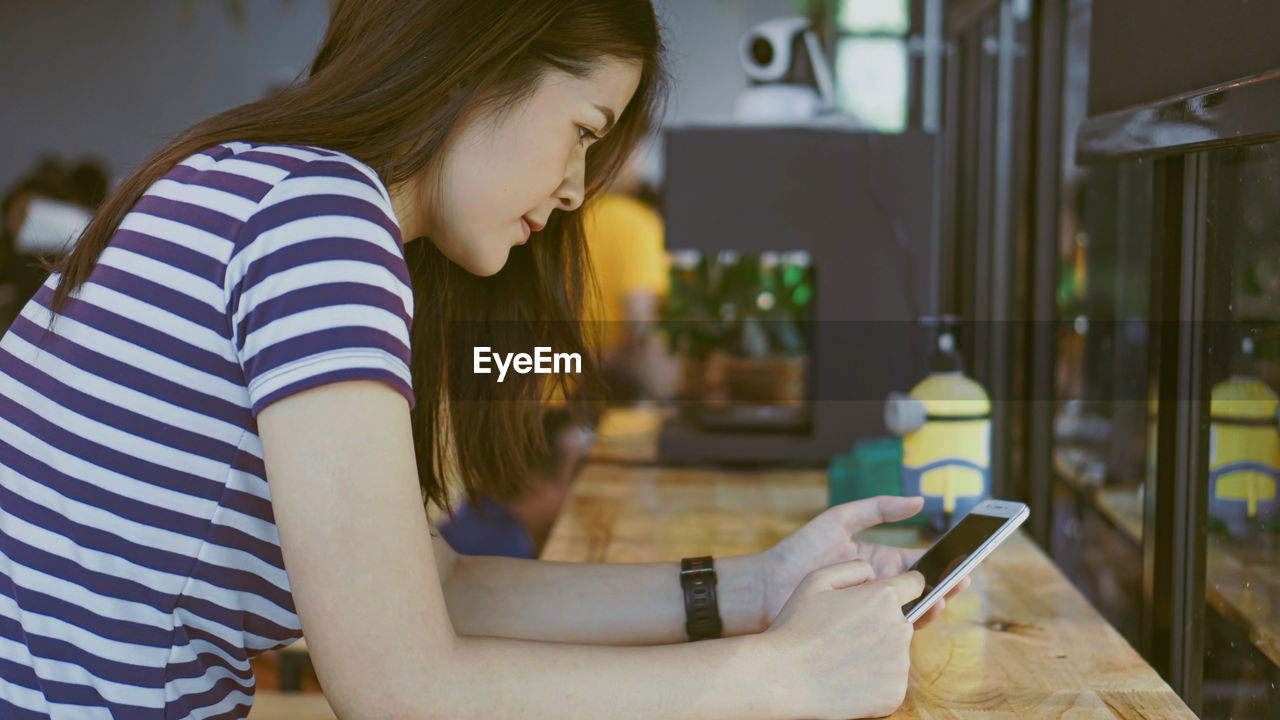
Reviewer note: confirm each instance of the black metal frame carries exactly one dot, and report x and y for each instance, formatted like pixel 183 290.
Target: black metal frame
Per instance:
pixel 1184 488
pixel 963 13
pixel 1239 112
pixel 982 236
pixel 1173 550
pixel 1050 21
pixel 1180 129
pixel 1175 612
pixel 985 156
pixel 1174 513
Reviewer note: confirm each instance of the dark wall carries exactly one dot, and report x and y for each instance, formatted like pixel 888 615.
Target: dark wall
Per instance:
pixel 1146 50
pixel 117 79
pixel 862 205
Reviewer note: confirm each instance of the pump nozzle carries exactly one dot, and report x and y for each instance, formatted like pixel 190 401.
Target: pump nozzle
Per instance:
pixel 945 357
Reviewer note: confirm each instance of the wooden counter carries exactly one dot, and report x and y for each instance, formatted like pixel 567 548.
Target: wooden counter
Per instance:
pixel 269 705
pixel 628 435
pixel 1021 643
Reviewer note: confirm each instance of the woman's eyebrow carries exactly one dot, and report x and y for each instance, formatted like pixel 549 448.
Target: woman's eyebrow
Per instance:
pixel 608 118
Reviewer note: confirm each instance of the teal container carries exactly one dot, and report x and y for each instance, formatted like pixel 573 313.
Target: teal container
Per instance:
pixel 873 467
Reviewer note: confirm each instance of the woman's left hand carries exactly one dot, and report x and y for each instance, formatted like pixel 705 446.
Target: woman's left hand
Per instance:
pixel 831 538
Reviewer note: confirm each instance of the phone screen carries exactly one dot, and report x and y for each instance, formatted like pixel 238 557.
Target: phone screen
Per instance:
pixel 952 549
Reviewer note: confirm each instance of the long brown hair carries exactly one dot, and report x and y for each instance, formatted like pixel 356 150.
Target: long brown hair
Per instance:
pixel 389 85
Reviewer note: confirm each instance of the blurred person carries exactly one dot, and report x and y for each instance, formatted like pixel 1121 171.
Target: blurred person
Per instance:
pixel 212 439
pixel 625 238
pixel 12 294
pixel 517 523
pixel 50 199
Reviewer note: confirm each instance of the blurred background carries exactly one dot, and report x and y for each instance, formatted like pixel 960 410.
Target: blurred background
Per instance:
pixel 1016 248
pixel 88 79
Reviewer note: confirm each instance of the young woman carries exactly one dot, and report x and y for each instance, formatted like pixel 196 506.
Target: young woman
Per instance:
pixel 240 311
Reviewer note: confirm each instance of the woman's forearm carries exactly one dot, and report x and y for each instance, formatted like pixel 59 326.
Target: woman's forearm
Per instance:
pixel 498 677
pixel 604 604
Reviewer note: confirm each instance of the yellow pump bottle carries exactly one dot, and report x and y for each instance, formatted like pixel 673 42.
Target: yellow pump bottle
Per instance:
pixel 945 422
pixel 1244 451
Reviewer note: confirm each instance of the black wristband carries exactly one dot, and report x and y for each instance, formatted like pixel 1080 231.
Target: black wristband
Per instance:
pixel 702 613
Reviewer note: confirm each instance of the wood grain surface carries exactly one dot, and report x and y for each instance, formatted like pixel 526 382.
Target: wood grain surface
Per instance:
pixel 269 705
pixel 1021 643
pixel 628 435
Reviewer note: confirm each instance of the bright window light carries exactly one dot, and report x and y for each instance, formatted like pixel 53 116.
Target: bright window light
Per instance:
pixel 874 16
pixel 871 81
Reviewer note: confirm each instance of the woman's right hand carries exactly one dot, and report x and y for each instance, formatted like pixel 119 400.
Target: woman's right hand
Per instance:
pixel 843 642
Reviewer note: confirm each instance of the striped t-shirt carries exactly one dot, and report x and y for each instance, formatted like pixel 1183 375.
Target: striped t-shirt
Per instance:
pixel 140 567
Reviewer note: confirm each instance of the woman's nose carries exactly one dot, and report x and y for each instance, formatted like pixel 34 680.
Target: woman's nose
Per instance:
pixel 571 191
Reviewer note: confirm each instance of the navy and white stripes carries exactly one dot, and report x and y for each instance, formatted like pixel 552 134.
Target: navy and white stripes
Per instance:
pixel 140 567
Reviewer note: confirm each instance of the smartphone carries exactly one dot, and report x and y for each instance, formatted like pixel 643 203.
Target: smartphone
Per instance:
pixel 962 548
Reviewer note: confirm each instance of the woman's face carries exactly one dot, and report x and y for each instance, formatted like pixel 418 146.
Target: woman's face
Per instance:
pixel 504 173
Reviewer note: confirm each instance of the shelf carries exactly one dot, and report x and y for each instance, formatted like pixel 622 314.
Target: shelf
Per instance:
pixel 1243 585
pixel 1120 506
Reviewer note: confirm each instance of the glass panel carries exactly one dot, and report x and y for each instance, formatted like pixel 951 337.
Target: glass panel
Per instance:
pixel 874 16
pixel 871 81
pixel 1104 424
pixel 1242 629
pixel 1104 388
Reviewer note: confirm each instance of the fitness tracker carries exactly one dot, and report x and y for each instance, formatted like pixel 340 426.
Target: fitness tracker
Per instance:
pixel 702 613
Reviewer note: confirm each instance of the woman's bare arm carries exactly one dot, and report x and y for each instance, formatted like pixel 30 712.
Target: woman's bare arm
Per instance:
pixel 365 583
pixel 604 604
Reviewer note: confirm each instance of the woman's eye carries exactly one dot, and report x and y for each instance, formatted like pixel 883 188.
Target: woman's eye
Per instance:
pixel 585 134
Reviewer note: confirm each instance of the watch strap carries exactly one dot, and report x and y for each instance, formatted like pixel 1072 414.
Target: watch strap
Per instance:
pixel 702 612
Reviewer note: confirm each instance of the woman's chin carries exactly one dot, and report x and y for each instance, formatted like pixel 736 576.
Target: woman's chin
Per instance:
pixel 482 264
pixel 486 266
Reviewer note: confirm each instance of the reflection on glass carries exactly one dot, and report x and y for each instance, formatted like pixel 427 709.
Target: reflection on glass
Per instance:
pixel 874 16
pixel 871 80
pixel 1103 386
pixel 1105 413
pixel 1242 629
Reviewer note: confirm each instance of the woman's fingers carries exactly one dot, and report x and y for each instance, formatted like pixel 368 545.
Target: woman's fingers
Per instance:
pixel 931 614
pixel 841 575
pixel 964 583
pixel 908 586
pixel 862 514
pixel 935 611
pixel 909 557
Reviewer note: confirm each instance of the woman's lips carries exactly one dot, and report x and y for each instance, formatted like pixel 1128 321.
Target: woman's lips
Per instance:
pixel 529 227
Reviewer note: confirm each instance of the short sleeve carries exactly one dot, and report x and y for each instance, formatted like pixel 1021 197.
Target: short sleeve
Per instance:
pixel 650 270
pixel 317 287
pixel 628 236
